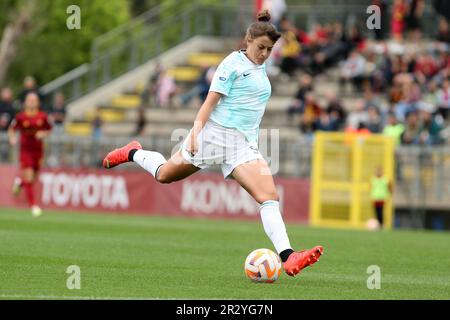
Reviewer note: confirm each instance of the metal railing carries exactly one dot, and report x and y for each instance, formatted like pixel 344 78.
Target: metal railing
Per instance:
pixel 422 173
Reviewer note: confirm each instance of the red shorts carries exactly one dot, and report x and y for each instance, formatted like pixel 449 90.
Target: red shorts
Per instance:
pixel 30 160
pixel 378 203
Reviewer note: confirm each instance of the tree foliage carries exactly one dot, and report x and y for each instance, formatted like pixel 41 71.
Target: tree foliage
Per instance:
pixel 50 49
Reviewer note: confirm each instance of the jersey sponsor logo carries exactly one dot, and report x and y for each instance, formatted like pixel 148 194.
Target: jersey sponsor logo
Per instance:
pixel 222 78
pixel 246 74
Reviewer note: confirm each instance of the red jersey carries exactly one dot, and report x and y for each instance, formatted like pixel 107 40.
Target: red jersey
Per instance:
pixel 28 125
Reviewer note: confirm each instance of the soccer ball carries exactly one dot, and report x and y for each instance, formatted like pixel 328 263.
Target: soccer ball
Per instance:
pixel 263 265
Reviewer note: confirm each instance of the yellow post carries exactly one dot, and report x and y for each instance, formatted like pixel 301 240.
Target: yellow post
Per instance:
pixel 389 165
pixel 316 181
pixel 355 207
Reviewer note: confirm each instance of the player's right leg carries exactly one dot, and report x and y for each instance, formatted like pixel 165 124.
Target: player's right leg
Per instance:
pixel 177 168
pixel 254 177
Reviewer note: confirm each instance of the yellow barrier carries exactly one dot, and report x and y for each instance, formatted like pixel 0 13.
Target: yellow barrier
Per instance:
pixel 342 167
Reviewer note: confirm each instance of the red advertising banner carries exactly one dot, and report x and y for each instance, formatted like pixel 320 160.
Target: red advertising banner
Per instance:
pixel 124 191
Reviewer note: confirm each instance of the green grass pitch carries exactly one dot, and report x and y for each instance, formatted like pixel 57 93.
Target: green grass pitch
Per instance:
pixel 151 257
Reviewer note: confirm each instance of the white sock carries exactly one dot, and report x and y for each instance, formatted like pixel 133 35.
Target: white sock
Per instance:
pixel 274 225
pixel 149 160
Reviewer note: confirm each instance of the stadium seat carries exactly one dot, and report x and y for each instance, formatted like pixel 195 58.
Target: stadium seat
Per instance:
pixel 126 101
pixel 107 115
pixel 185 74
pixel 205 59
pixel 79 129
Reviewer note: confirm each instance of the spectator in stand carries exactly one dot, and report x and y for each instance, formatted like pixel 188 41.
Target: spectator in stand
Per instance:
pixel 411 134
pixel 201 88
pixel 374 122
pixel 353 69
pixel 396 91
pixel 97 124
pixel 311 113
pixel 394 128
pixel 414 14
pixel 290 52
pixel 444 31
pixel 148 96
pixel 6 108
pixel 425 68
pixel 335 110
pixel 399 11
pixel 431 127
pixel 372 100
pixel 57 113
pixel 339 45
pixel 141 122
pixel 442 7
pixel 443 63
pixel 356 38
pixel 326 123
pixel 166 89
pixel 358 115
pixel 6 116
pixel 29 85
pixel 297 106
pixel 444 99
pixel 411 95
pixel 431 96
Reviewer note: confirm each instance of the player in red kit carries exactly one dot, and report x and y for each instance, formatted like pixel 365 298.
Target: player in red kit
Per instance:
pixel 33 126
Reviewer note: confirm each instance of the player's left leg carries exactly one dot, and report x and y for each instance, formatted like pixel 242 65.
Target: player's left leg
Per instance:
pixel 28 177
pixel 256 179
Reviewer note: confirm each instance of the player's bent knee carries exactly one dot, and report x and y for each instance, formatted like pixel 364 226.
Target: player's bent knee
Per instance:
pixel 163 177
pixel 263 197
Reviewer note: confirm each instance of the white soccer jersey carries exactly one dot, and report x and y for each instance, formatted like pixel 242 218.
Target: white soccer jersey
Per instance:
pixel 246 89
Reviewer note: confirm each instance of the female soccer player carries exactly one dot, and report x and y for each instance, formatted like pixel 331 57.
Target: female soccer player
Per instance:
pixel 33 126
pixel 225 132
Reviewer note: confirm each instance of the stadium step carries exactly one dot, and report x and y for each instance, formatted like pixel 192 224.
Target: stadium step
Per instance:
pixel 205 59
pixel 185 73
pixel 78 129
pixel 107 115
pixel 126 101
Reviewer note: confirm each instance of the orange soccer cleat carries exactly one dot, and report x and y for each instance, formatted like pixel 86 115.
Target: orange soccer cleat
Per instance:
pixel 119 156
pixel 297 261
